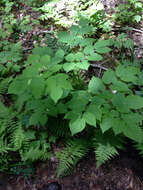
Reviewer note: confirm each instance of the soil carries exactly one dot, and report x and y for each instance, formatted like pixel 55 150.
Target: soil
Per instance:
pixel 122 173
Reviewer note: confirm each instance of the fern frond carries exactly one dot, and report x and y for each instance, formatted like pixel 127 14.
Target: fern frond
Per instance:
pixel 4 83
pixel 139 147
pixel 34 154
pixel 19 139
pixel 73 152
pixel 104 152
pixel 105 146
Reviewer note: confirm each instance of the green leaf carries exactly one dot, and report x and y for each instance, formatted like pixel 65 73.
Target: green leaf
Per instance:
pixel 83 65
pixel 135 101
pixel 79 56
pixel 120 86
pixel 103 50
pixel 102 43
pixel 118 125
pixel 18 86
pixel 88 50
pixel 55 91
pixel 56 84
pixel 106 124
pixel 94 57
pixel 37 87
pixel 120 102
pixel 79 101
pixel 109 76
pixel 96 110
pixel 70 57
pixel 127 74
pixel 90 118
pixel 77 125
pixel 95 85
pixel 133 132
pixel 69 66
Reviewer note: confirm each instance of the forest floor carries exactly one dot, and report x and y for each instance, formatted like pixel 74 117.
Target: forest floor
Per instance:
pixel 125 172
pixel 122 173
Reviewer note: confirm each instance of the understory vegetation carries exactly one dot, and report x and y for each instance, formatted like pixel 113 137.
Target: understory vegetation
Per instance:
pixel 72 83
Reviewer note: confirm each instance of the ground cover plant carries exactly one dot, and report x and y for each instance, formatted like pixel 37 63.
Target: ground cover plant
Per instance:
pixel 46 96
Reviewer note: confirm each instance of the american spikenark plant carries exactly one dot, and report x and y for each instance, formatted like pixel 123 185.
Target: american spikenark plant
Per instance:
pixel 46 105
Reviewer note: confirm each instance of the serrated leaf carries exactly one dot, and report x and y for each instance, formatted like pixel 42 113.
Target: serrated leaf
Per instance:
pixel 120 102
pixel 18 86
pixel 127 74
pixel 135 101
pixel 95 85
pixel 109 76
pixel 96 110
pixel 56 84
pixel 70 57
pixel 106 124
pixel 77 125
pixel 88 50
pixel 79 56
pixel 56 93
pixel 133 132
pixel 120 86
pixel 118 125
pixel 101 43
pixel 37 87
pixel 103 49
pixel 83 65
pixel 94 57
pixel 79 101
pixel 69 66
pixel 90 118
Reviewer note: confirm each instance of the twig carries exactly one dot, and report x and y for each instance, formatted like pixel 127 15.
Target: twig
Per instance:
pixel 99 66
pixel 137 30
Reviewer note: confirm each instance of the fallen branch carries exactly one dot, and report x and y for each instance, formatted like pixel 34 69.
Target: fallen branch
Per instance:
pixel 99 66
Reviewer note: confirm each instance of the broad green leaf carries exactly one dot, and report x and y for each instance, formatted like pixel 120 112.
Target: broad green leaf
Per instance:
pixel 127 74
pixel 77 125
pixel 37 86
pixel 95 85
pixel 18 86
pixel 88 50
pixel 94 57
pixel 87 42
pixel 37 118
pixel 135 101
pixel 90 118
pixel 132 118
pixel 133 132
pixel 79 101
pixel 109 76
pixel 120 102
pixel 106 124
pixel 120 86
pixel 101 43
pixel 70 57
pixel 96 110
pixel 79 56
pixel 83 65
pixel 56 93
pixel 69 66
pixel 118 125
pixel 45 60
pixel 103 50
pixel 56 84
pixel 60 53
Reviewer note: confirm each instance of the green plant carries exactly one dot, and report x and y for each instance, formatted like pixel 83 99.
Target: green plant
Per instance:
pixel 49 100
pixel 130 11
pixel 10 55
